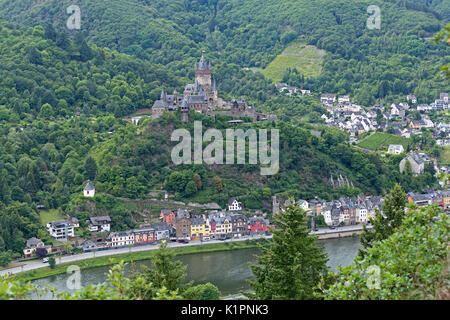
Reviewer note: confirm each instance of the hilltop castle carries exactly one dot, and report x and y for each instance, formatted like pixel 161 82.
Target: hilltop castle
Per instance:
pixel 202 97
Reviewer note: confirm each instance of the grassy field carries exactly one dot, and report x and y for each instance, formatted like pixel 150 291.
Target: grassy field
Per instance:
pixel 50 215
pixel 306 59
pixel 134 256
pixel 381 141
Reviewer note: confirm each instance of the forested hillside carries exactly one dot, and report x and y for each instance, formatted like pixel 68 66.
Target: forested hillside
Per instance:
pixel 138 159
pixel 46 73
pixel 368 64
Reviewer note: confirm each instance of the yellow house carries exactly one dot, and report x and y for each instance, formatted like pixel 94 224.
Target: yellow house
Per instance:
pixel 32 245
pixel 446 198
pixel 199 229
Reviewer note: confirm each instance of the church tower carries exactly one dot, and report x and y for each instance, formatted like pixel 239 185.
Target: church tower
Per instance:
pixel 203 73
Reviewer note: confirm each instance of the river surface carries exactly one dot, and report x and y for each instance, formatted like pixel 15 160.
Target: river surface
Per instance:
pixel 228 270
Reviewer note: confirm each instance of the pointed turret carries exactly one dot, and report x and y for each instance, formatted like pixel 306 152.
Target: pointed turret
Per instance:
pixel 163 95
pixel 184 106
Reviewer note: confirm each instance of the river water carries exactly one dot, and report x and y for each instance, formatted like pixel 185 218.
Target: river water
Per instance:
pixel 228 270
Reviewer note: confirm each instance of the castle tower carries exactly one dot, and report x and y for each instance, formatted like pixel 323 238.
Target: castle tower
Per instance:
pixel 203 73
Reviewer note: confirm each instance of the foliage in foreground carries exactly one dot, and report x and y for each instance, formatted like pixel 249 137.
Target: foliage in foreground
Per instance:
pixel 293 265
pixel 411 264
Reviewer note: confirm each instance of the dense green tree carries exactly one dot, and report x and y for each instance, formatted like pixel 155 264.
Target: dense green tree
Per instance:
pixel 165 273
pixel 5 258
pixel 386 222
pixel 52 262
pixel 293 264
pixel 90 168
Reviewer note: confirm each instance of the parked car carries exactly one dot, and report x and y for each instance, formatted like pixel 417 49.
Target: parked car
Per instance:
pixel 332 228
pixel 45 260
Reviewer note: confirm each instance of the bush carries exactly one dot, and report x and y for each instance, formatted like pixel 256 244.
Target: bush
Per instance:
pixel 206 291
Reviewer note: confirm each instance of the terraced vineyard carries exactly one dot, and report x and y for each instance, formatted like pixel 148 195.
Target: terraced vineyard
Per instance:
pixel 305 58
pixel 381 141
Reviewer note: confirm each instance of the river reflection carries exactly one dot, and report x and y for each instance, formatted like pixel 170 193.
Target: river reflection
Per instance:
pixel 228 270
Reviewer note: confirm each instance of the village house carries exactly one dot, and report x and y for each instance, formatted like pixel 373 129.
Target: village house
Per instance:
pixel 162 231
pixel 239 225
pixel 168 216
pixel 33 244
pixel 89 189
pixel 343 99
pixel 143 236
pixel 303 204
pixel 99 224
pixel 183 228
pixel 234 205
pixel 257 225
pixel 417 161
pixel 88 246
pixel 220 225
pixel 411 98
pixel 328 99
pixel 445 198
pixel 120 239
pixel 61 230
pixel 199 229
pixel 396 149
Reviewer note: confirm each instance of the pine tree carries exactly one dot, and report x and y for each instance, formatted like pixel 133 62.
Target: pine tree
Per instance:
pixel 90 168
pixel 385 223
pixel 293 264
pixel 164 272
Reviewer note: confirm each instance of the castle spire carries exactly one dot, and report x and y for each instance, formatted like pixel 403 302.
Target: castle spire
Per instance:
pixel 163 95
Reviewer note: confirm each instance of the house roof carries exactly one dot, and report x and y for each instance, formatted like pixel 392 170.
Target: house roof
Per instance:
pixel 89 186
pixel 231 200
pixel 159 226
pixel 197 221
pixel 33 242
pixel 88 245
pixel 61 224
pixel 100 220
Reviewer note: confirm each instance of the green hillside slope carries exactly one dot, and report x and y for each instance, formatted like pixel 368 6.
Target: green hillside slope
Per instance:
pixel 368 64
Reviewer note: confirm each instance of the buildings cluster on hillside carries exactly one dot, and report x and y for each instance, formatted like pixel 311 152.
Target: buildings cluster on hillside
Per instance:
pixel 291 90
pixel 202 97
pixel 360 209
pixel 355 119
pixel 344 211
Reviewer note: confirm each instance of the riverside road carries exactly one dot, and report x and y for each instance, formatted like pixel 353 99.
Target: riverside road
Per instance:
pixel 32 265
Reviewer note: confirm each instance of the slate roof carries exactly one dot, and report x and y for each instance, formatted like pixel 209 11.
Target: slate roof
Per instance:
pixel 96 221
pixel 89 186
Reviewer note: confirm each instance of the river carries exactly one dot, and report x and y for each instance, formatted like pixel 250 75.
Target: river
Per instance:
pixel 228 270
